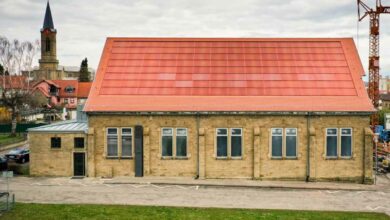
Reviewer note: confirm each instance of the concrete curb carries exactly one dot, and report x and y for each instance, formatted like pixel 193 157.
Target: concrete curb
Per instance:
pixel 217 185
pixel 10 146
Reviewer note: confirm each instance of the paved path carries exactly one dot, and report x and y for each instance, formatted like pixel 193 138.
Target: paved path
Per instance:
pixel 96 190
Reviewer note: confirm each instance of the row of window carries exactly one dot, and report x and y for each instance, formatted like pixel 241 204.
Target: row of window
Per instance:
pixel 55 142
pixel 284 142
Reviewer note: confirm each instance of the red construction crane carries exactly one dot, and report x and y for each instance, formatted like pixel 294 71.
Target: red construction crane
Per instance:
pixel 373 64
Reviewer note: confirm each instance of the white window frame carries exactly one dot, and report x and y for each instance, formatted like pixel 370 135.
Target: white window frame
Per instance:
pixel 227 142
pixel 285 143
pixel 132 142
pixel 326 143
pixel 349 135
pixel 117 140
pixel 173 139
pixel 175 143
pixel 230 142
pixel 281 135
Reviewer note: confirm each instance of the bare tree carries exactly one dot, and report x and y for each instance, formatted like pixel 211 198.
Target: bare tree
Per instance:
pixel 16 57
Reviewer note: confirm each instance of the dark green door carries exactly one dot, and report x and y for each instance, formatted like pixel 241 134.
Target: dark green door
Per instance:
pixel 79 164
pixel 139 151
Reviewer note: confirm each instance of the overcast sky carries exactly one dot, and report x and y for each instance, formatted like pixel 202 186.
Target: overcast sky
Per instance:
pixel 83 26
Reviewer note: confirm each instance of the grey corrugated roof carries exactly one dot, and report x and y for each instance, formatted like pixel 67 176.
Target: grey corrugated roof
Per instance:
pixel 70 126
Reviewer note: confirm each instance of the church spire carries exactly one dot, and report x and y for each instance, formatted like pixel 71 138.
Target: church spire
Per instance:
pixel 48 22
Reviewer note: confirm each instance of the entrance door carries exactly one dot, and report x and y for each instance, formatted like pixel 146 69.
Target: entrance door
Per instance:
pixel 139 151
pixel 79 164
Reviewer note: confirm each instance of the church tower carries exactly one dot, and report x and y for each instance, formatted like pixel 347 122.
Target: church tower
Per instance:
pixel 48 63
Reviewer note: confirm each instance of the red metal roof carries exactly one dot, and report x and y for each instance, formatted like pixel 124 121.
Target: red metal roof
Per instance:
pixel 229 74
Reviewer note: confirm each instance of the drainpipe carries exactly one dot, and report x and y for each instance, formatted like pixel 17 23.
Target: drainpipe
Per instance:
pixel 308 147
pixel 197 146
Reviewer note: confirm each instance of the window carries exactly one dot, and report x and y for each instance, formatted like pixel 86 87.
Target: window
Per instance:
pixel 167 137
pixel 346 142
pixel 47 44
pixel 338 142
pixel 222 138
pixel 181 142
pixel 232 148
pixel 79 142
pixel 112 142
pixel 69 89
pixel 331 142
pixel 127 142
pixel 284 142
pixel 236 142
pixel 291 142
pixel 66 101
pixel 277 142
pixel 71 101
pixel 55 142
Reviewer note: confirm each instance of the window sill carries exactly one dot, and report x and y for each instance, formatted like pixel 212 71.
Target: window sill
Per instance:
pixel 127 158
pixel 112 157
pixel 331 158
pixel 229 158
pixel 173 158
pixel 55 148
pixel 276 158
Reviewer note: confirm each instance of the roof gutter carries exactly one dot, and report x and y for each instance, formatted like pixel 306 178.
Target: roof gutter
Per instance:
pixel 267 113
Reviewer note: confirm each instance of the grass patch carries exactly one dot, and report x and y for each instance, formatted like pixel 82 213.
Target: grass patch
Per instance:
pixel 65 211
pixel 6 139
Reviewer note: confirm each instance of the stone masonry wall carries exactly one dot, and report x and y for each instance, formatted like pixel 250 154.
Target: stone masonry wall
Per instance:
pixel 45 161
pixel 256 138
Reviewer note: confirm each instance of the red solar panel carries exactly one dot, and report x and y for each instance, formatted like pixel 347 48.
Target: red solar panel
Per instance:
pixel 167 68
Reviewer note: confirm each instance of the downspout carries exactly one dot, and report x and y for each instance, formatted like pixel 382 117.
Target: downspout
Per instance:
pixel 197 146
pixel 308 147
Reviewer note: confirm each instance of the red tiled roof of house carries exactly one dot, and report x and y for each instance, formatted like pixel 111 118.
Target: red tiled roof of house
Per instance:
pixel 229 74
pixel 63 84
pixel 83 90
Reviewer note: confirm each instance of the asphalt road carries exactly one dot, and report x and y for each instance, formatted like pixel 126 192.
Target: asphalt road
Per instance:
pixel 97 191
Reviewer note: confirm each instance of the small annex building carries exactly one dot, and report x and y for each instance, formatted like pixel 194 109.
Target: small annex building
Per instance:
pixel 259 108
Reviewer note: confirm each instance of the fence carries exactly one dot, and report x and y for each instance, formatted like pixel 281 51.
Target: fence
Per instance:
pixel 20 127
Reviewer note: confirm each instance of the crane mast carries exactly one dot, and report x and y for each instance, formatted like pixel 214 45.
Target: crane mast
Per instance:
pixel 373 65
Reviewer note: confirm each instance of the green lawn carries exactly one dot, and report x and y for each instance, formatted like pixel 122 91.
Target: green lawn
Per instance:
pixel 51 211
pixel 7 139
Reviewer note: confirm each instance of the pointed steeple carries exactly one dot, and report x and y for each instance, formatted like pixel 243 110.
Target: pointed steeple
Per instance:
pixel 48 22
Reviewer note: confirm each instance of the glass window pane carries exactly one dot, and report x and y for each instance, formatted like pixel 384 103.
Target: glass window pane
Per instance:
pixel 291 131
pixel 79 142
pixel 331 146
pixel 126 131
pixel 346 131
pixel 346 146
pixel 167 131
pixel 222 146
pixel 181 132
pixel 331 131
pixel 181 146
pixel 236 131
pixel 276 146
pixel 236 146
pixel 167 145
pixel 291 146
pixel 127 145
pixel 221 131
pixel 112 146
pixel 112 131
pixel 277 131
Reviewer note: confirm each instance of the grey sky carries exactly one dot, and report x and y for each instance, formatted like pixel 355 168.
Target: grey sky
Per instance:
pixel 84 25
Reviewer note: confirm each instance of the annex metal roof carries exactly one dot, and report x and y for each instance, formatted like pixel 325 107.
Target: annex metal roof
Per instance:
pixel 70 126
pixel 229 74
